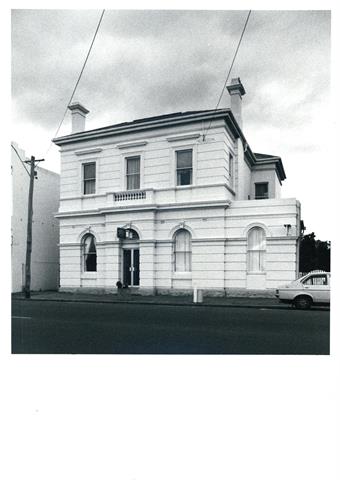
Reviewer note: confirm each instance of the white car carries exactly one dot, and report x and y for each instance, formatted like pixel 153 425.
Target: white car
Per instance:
pixel 311 289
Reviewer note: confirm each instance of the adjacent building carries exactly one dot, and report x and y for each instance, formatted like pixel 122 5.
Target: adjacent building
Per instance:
pixel 169 203
pixel 45 228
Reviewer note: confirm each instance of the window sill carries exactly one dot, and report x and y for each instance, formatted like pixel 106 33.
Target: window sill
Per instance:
pixel 256 273
pixel 180 187
pixel 89 195
pixel 88 274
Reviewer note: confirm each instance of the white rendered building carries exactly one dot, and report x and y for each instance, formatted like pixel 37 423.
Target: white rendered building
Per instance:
pixel 45 228
pixel 173 202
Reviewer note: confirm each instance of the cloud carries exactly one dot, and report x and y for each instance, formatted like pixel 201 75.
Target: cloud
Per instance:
pixel 148 62
pixel 153 53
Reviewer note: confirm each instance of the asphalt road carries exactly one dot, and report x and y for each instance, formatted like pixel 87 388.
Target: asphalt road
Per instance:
pixel 66 327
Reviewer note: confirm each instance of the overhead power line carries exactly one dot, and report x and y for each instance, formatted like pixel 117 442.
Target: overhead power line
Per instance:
pixel 229 72
pixel 79 77
pixel 21 160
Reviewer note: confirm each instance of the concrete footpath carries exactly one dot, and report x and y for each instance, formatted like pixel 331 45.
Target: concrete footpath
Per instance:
pixel 126 297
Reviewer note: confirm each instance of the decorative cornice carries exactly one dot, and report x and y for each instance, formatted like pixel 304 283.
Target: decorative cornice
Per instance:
pixel 150 189
pixel 222 240
pixel 78 106
pixel 152 123
pixel 236 86
pixel 135 208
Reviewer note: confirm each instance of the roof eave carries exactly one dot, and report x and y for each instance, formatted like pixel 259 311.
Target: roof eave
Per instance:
pixel 132 128
pixel 227 114
pixel 278 165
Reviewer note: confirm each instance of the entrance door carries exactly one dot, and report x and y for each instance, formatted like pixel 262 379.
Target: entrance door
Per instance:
pixel 131 267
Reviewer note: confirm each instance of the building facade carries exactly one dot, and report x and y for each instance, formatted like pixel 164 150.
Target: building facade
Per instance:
pixel 45 229
pixel 173 202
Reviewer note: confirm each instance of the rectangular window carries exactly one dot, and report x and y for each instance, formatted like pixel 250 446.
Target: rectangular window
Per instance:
pixel 231 170
pixel 261 191
pixel 133 173
pixel 184 167
pixel 89 178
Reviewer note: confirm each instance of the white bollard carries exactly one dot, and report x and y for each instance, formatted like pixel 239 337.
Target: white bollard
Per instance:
pixel 197 295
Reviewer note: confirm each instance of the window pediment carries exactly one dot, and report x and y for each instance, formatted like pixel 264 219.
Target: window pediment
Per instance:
pixel 185 136
pixel 137 144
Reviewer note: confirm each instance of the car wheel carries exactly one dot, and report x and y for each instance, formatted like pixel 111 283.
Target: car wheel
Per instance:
pixel 302 302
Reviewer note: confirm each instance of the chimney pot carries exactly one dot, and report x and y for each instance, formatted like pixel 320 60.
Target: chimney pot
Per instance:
pixel 79 113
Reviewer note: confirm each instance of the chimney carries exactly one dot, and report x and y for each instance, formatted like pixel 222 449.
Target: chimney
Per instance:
pixel 78 116
pixel 236 92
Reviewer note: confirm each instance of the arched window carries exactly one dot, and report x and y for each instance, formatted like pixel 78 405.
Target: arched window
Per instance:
pixel 256 248
pixel 182 251
pixel 89 253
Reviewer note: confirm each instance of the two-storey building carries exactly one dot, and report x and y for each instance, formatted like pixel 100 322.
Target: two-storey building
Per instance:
pixel 173 202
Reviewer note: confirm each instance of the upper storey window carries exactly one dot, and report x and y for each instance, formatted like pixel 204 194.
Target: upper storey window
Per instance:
pixel 261 191
pixel 133 173
pixel 184 167
pixel 89 178
pixel 231 170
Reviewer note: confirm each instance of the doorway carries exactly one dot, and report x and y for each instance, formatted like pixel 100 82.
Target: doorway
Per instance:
pixel 131 267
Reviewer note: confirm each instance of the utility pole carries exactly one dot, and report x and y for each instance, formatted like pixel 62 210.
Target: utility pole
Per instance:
pixel 32 163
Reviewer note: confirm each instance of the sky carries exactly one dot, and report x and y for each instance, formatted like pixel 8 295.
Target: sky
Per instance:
pixel 150 62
